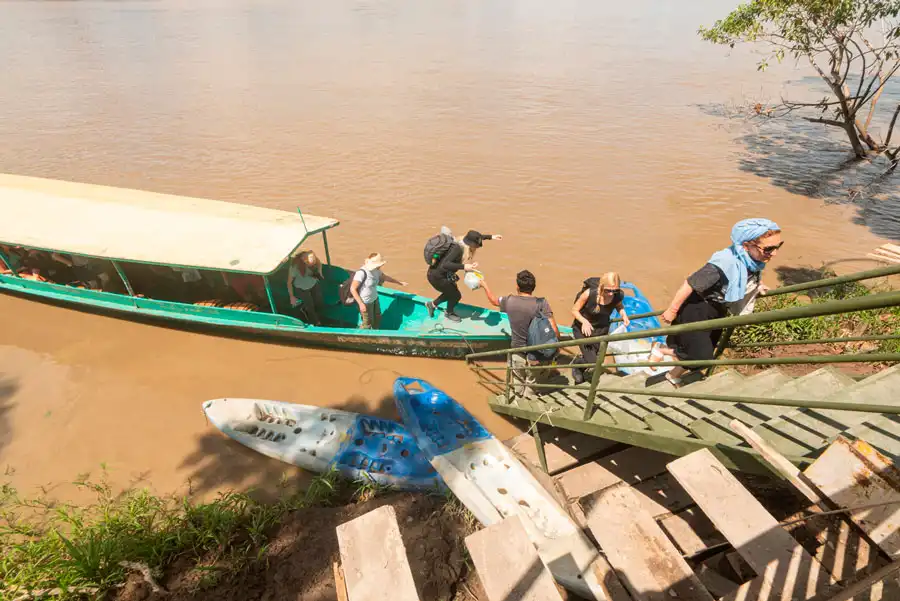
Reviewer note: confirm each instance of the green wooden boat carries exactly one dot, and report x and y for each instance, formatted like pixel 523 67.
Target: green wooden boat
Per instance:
pixel 124 239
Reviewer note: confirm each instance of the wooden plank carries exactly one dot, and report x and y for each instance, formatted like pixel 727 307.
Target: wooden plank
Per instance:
pixel 884 257
pixel 856 591
pixel 779 462
pixel 633 465
pixel 691 530
pixel 663 495
pixel 563 449
pixel 649 564
pixel 340 584
pixel 787 569
pixel 849 557
pixel 508 565
pixel 374 559
pixel 852 474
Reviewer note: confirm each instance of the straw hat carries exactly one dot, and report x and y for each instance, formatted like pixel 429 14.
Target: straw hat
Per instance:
pixel 374 262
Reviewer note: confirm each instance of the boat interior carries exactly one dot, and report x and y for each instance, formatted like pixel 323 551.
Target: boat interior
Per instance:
pixel 237 291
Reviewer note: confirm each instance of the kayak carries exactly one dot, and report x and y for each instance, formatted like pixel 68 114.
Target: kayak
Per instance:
pixel 358 447
pixel 493 484
pixel 637 350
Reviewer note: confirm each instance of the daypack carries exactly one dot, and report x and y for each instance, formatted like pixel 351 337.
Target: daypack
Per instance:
pixel 437 246
pixel 592 283
pixel 540 331
pixel 344 291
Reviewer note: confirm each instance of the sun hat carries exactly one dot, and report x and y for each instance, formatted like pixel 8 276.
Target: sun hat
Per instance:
pixel 374 262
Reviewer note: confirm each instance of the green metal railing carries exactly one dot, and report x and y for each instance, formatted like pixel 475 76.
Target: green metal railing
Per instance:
pixel 728 325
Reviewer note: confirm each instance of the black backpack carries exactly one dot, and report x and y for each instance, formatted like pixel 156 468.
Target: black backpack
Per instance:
pixel 344 291
pixel 540 331
pixel 592 283
pixel 436 247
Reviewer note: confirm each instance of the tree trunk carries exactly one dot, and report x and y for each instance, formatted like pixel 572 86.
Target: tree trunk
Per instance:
pixel 855 142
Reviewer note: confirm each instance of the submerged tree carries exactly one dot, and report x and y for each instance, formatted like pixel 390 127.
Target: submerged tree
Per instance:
pixel 854 46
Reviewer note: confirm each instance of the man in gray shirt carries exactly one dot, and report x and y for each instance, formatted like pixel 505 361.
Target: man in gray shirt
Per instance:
pixel 521 308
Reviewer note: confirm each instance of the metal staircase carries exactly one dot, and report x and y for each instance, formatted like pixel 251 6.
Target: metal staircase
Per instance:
pixel 799 416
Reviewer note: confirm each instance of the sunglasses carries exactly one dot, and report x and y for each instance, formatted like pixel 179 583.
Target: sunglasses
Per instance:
pixel 768 250
pixel 610 290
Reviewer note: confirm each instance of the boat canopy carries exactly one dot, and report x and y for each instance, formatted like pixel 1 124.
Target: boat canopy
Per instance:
pixel 147 227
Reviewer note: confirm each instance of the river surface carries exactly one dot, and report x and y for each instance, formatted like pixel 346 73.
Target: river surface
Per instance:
pixel 585 132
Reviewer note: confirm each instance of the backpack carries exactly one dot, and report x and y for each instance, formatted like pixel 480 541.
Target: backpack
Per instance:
pixel 592 283
pixel 436 247
pixel 344 291
pixel 540 331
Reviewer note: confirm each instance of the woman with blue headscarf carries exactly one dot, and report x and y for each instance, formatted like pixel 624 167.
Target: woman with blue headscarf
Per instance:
pixel 728 283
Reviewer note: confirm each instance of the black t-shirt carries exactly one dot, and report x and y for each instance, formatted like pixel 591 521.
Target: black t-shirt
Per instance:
pixel 521 310
pixel 709 283
pixel 598 315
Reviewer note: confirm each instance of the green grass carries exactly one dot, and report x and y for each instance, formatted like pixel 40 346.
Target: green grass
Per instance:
pixel 46 545
pixel 862 323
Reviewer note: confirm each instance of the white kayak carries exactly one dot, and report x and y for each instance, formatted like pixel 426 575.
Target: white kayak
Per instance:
pixel 493 484
pixel 319 440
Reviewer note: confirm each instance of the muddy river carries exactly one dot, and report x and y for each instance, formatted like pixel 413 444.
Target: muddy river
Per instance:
pixel 585 132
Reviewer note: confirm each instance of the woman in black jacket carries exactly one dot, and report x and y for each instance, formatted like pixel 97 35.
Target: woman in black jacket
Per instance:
pixel 443 275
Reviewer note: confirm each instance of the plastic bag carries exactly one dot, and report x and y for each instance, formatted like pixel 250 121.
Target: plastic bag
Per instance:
pixel 634 351
pixel 473 280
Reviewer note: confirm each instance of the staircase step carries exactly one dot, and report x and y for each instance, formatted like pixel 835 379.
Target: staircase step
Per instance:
pixel 804 431
pixel 816 385
pixel 623 411
pixel 762 384
pixel 882 432
pixel 676 419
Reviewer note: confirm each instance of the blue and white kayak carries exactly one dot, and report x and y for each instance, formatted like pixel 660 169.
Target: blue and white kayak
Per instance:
pixel 317 439
pixel 493 484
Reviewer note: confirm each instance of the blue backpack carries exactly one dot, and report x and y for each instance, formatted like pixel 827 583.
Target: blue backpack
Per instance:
pixel 540 331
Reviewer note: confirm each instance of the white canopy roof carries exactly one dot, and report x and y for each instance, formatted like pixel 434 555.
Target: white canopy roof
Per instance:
pixel 132 225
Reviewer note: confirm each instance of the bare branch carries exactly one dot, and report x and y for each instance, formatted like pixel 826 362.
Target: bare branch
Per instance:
pixel 826 121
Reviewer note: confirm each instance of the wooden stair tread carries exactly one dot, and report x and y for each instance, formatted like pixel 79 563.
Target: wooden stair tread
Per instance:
pixel 755 534
pixel 508 565
pixel 882 432
pixel 620 407
pixel 681 414
pixel 763 384
pixel 802 431
pixel 818 384
pixel 651 566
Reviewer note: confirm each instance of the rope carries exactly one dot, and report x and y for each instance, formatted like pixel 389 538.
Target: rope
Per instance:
pixel 440 329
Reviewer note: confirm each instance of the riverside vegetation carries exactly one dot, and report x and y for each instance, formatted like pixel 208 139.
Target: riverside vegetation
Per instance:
pixel 61 551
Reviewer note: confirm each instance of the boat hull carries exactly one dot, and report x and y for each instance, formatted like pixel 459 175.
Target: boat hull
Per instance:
pixel 358 447
pixel 434 341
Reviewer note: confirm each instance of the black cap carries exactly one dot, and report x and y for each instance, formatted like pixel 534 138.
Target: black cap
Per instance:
pixel 474 238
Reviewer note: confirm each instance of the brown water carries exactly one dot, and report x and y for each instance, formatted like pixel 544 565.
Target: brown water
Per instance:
pixel 578 129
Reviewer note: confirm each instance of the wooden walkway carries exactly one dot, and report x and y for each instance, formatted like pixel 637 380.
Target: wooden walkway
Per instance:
pixel 682 426
pixel 670 528
pixel 685 528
